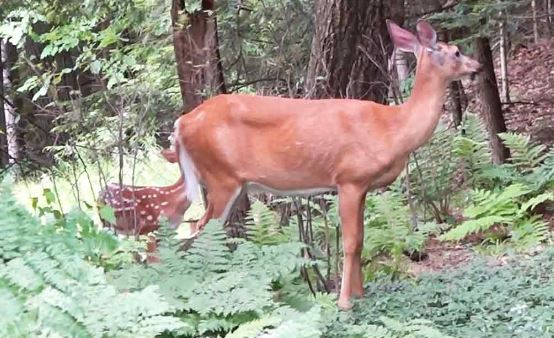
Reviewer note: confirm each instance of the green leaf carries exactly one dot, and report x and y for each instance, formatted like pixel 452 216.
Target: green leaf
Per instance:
pixel 108 37
pixel 34 202
pixel 107 213
pixel 533 202
pixel 95 66
pixel 49 195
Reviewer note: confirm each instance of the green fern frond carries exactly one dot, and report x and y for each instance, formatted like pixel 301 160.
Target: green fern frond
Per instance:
pixel 473 226
pixel 255 327
pixel 263 227
pixel 529 231
pixel 496 203
pixel 525 155
pixel 533 202
pixel 209 253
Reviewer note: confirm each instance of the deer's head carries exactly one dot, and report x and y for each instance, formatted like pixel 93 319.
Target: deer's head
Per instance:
pixel 445 59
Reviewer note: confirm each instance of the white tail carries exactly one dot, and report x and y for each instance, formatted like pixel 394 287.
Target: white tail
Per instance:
pixel 305 146
pixel 188 171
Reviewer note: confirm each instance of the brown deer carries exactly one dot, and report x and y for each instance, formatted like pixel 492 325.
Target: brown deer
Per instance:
pixel 232 143
pixel 139 209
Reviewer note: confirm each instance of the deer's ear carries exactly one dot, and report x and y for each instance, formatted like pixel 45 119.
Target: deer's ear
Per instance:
pixel 402 39
pixel 426 34
pixel 170 155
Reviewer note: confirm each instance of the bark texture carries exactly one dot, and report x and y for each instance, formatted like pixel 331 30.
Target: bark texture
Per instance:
pixel 350 49
pixel 197 53
pixel 200 73
pixel 490 100
pixel 4 158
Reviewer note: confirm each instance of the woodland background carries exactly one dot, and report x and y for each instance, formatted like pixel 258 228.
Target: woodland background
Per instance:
pixel 460 245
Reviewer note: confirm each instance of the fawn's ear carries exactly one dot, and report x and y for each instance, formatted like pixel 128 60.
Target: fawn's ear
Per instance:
pixel 402 39
pixel 170 155
pixel 426 34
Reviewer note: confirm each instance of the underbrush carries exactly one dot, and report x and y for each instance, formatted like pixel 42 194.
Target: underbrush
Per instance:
pixel 51 285
pixel 482 299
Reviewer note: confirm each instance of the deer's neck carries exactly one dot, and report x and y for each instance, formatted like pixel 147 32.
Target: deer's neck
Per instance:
pixel 420 114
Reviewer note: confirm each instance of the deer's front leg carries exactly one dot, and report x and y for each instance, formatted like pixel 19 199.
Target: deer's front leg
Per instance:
pixel 351 198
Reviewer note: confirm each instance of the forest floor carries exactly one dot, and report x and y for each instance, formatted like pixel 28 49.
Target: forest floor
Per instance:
pixel 531 110
pixel 531 82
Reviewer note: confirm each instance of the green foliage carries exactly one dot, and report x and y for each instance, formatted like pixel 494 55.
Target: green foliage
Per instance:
pixel 507 208
pixel 472 150
pixel 478 17
pixel 524 155
pixel 388 328
pixel 214 289
pixel 48 289
pixel 262 226
pixel 389 231
pixel 505 194
pixel 267 40
pixel 480 300
pixel 432 172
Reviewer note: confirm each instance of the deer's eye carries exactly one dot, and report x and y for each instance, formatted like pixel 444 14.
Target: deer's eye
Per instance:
pixel 457 54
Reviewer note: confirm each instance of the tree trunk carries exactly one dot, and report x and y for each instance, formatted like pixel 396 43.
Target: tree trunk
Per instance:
pixel 11 81
pixel 197 53
pixel 549 16
pixel 504 63
pixel 350 49
pixel 490 100
pixel 535 21
pixel 457 92
pixel 4 155
pixel 200 73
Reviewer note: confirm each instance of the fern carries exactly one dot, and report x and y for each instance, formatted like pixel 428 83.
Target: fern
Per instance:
pixel 255 327
pixel 263 227
pixel 473 151
pixel 389 230
pixel 510 208
pixel 525 155
pixel 543 176
pixel 432 172
pixel 389 328
pixel 47 288
pixel 212 288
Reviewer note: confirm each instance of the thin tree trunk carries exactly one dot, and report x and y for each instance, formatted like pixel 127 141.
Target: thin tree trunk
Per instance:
pixel 549 15
pixel 11 78
pixel 4 155
pixel 201 75
pixel 504 63
pixel 456 91
pixel 535 21
pixel 490 100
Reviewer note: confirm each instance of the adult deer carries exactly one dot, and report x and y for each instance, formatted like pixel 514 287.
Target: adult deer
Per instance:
pixel 295 146
pixel 139 209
